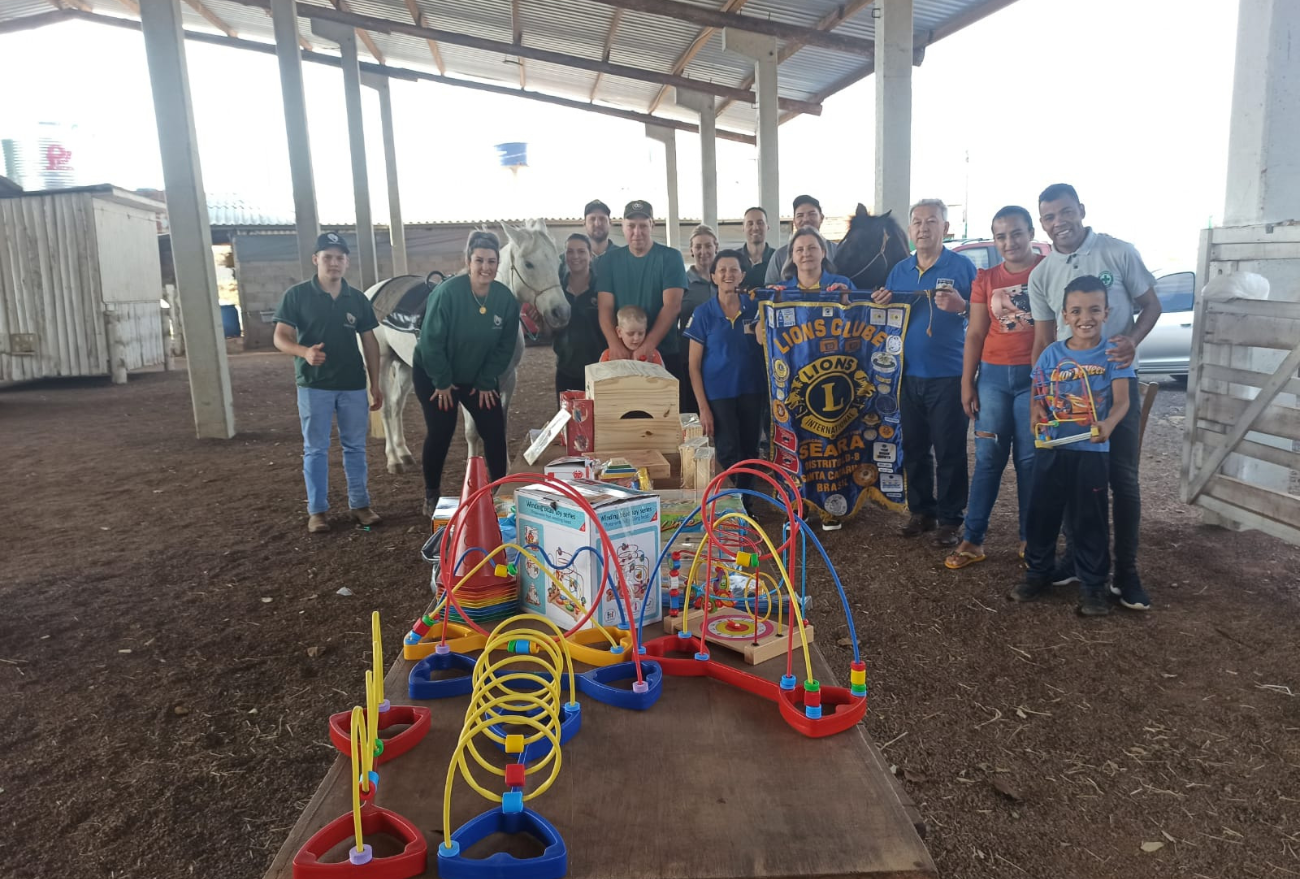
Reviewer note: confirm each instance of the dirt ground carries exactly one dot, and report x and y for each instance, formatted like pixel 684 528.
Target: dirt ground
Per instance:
pixel 163 717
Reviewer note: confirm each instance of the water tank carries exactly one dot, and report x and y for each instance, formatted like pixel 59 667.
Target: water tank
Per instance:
pixel 513 155
pixel 44 159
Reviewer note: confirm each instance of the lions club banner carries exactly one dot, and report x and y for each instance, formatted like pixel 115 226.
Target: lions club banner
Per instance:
pixel 834 373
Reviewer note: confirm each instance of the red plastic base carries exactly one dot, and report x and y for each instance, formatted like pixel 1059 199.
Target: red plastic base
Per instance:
pixel 412 861
pixel 418 717
pixel 841 710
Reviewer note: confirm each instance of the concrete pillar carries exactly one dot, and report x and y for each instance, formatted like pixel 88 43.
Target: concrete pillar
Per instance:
pixel 762 51
pixel 285 16
pixel 706 106
pixel 893 77
pixel 346 38
pixel 396 231
pixel 187 212
pixel 668 136
pixel 1263 162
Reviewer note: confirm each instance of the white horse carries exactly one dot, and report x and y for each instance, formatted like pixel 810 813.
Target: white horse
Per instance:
pixel 530 267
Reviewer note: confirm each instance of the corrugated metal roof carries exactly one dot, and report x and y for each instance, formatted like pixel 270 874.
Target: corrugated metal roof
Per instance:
pixel 579 28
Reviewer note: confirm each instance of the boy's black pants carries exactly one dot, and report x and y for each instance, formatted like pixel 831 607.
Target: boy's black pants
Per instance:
pixel 1075 481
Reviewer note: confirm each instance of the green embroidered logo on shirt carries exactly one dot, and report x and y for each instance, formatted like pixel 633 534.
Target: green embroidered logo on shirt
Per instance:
pixel 1106 278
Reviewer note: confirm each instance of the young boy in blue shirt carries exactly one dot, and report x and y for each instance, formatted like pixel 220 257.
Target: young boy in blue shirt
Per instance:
pixel 1080 397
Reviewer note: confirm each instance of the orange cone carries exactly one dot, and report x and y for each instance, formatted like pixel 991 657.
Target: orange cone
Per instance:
pixel 476 527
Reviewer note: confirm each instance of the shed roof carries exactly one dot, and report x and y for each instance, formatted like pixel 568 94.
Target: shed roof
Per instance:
pixel 616 56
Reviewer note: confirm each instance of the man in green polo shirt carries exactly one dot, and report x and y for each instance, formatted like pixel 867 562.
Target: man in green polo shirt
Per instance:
pixel 649 275
pixel 319 322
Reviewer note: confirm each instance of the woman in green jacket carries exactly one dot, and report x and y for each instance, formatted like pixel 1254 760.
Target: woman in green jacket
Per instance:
pixel 467 340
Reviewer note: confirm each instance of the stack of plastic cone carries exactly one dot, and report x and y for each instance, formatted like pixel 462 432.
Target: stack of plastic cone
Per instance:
pixel 484 596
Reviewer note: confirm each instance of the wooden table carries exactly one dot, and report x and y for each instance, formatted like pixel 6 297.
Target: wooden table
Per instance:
pixel 710 782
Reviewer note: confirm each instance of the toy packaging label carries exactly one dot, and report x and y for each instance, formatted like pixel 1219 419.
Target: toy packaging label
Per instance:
pixel 564 532
pixel 572 468
pixel 580 432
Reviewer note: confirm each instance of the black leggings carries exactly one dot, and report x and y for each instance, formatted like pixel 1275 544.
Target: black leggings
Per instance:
pixel 440 427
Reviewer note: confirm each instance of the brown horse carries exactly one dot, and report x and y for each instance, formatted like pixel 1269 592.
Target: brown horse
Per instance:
pixel 872 246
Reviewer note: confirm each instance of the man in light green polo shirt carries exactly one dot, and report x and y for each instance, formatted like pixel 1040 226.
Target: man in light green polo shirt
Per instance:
pixel 320 322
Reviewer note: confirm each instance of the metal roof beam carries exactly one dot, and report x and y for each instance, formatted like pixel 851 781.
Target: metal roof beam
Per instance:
pixel 385 25
pixel 700 41
pixel 604 55
pixel 830 20
pixel 517 37
pixel 211 17
pixel 719 19
pixel 45 18
pixel 362 34
pixel 418 17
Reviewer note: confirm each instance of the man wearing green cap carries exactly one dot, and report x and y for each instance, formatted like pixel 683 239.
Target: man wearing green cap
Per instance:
pixel 320 322
pixel 651 276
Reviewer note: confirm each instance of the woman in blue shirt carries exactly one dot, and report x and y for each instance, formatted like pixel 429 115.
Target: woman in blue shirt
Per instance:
pixel 809 270
pixel 726 367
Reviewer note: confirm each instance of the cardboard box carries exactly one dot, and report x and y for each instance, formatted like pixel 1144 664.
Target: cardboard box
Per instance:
pixel 561 528
pixel 573 468
pixel 580 432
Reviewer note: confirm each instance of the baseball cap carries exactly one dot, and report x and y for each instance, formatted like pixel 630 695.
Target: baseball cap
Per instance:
pixel 807 199
pixel 596 205
pixel 638 208
pixel 331 240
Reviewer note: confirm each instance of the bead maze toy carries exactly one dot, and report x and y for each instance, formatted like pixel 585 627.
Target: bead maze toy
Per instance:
pixel 523 689
pixel 366 751
pixel 1077 413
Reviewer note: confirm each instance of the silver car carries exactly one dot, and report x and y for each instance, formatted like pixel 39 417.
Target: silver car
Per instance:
pixel 1167 349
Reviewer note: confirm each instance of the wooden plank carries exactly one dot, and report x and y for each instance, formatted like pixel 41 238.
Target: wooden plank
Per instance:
pixel 1226 411
pixel 1196 361
pixel 701 40
pixel 1250 330
pixel 211 17
pixel 1261 307
pixel 653 461
pixel 1273 505
pixel 1249 519
pixel 614 22
pixel 1252 411
pixel 1251 449
pixel 1253 250
pixel 1147 392
pixel 1249 378
pixel 815 808
pixel 1286 232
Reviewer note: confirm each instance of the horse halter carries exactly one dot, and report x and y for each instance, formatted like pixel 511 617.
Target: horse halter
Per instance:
pixel 514 270
pixel 884 242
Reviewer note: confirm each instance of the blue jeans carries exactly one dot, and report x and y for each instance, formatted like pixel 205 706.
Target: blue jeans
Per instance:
pixel 1001 425
pixel 316 410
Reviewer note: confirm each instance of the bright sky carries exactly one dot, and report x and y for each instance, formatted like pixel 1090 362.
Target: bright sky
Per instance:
pixel 1129 100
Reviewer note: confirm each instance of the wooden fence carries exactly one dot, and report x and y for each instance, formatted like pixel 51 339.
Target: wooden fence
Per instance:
pixel 1242 444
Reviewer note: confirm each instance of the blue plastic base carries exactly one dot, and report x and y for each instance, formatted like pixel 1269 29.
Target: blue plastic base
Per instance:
pixel 570 723
pixel 552 863
pixel 421 685
pixel 598 684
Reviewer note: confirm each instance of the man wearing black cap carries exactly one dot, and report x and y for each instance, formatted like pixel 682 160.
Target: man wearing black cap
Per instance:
pixel 319 322
pixel 807 212
pixel 649 275
pixel 595 221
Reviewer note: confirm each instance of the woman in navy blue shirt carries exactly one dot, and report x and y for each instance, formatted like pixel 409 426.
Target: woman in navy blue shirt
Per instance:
pixel 726 367
pixel 808 270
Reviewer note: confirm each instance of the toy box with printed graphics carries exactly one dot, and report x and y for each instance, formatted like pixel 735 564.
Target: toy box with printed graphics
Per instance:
pixel 571 468
pixel 564 530
pixel 580 432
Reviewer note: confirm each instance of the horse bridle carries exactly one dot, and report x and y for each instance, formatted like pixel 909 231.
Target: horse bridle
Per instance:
pixel 514 270
pixel 884 242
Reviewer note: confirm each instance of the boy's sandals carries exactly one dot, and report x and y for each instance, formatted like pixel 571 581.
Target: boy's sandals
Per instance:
pixel 959 559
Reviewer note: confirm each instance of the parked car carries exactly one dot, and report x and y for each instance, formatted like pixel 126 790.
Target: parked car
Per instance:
pixel 984 253
pixel 1167 349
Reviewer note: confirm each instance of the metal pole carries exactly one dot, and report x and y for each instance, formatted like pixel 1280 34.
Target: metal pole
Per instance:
pixel 285 17
pixel 396 230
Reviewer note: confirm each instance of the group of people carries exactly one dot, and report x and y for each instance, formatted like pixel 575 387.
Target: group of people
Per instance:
pixel 974 344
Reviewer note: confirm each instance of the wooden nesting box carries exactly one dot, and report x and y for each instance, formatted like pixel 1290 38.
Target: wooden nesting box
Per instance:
pixel 636 407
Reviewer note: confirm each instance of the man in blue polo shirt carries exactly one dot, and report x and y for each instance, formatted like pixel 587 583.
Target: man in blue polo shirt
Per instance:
pixel 320 323
pixel 936 283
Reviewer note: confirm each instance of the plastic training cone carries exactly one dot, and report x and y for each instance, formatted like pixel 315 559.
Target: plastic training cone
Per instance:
pixel 475 527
